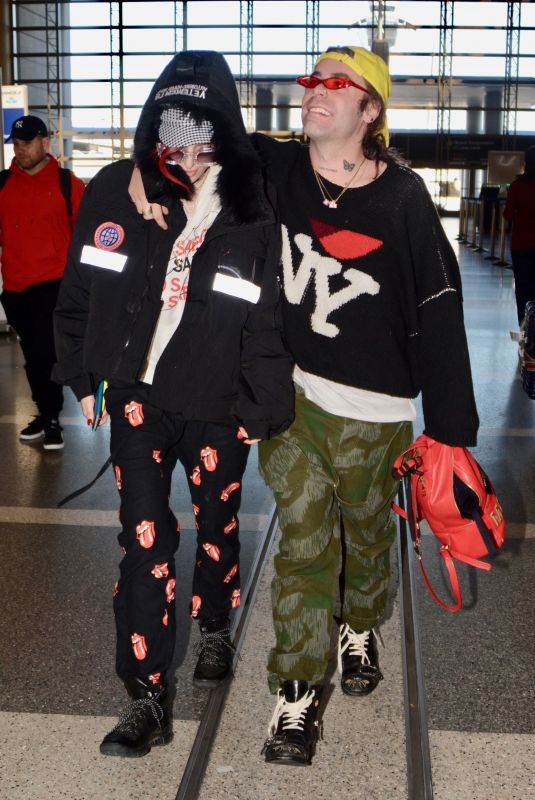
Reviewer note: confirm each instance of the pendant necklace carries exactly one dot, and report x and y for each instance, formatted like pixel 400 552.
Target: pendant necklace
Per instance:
pixel 332 202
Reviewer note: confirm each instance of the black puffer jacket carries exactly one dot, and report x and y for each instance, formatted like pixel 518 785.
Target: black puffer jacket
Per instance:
pixel 226 361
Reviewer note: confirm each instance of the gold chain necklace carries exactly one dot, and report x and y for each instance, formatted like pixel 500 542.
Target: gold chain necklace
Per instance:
pixel 332 202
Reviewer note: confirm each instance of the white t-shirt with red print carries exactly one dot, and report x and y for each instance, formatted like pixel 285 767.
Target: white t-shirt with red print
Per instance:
pixel 200 216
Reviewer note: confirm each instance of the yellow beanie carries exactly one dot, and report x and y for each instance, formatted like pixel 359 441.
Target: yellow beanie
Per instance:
pixel 371 67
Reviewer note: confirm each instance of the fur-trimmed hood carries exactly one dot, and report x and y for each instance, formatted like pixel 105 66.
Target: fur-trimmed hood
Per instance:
pixel 200 82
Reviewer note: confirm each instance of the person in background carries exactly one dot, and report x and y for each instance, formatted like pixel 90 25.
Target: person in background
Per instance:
pixel 38 205
pixel 184 325
pixel 520 211
pixel 372 312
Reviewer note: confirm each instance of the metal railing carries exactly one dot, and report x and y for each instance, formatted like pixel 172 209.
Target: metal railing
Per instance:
pixel 472 231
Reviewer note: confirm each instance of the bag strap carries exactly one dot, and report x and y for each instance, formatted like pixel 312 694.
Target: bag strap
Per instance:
pixel 414 527
pixel 4 175
pixel 66 189
pixel 453 579
pixel 474 562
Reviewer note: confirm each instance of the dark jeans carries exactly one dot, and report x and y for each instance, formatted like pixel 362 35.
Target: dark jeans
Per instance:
pixel 146 444
pixel 30 314
pixel 524 272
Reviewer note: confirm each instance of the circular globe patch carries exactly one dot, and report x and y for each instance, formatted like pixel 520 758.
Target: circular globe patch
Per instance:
pixel 109 236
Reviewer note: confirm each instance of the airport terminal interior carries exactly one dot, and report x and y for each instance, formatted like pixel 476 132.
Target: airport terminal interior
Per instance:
pixel 454 717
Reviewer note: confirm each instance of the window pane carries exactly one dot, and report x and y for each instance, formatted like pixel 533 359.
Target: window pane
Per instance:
pixel 90 92
pixel 28 43
pixel 88 41
pixel 418 13
pixel 458 120
pixel 486 67
pixel 279 65
pixel 526 67
pixel 413 65
pixel 131 117
pixel 422 119
pixel 281 39
pixel 149 40
pixel 479 41
pixel 335 12
pixel 91 154
pixel 296 122
pixel 136 92
pixel 287 13
pixel 155 12
pixel 220 39
pixel 527 43
pixel 528 15
pixel 144 66
pixel 226 13
pixel 419 41
pixel 83 14
pixel 357 37
pixel 90 67
pixel 474 14
pixel 525 122
pixel 92 118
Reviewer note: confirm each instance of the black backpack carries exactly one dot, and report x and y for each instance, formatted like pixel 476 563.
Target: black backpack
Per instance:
pixel 64 184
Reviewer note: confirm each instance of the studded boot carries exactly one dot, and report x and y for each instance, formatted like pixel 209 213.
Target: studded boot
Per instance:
pixel 294 728
pixel 144 723
pixel 358 661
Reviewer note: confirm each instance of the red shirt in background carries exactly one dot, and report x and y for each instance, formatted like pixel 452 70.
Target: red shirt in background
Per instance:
pixel 520 210
pixel 35 227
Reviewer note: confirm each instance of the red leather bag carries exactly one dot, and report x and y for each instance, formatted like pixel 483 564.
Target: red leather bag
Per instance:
pixel 446 486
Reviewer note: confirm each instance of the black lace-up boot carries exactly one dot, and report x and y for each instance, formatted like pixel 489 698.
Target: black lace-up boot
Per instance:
pixel 144 723
pixel 294 728
pixel 358 661
pixel 214 664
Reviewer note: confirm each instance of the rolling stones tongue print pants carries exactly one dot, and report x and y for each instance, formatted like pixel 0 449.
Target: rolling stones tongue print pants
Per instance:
pixel 146 444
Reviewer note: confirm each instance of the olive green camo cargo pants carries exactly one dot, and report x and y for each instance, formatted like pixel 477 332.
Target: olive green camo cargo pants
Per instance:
pixel 331 477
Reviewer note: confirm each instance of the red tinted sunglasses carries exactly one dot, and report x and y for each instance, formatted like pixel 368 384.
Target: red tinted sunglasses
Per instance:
pixel 335 82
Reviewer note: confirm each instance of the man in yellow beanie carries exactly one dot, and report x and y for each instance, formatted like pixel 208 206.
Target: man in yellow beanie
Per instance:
pixel 372 316
pixel 372 313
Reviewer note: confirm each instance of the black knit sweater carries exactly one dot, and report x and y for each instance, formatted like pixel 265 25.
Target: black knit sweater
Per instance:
pixel 372 290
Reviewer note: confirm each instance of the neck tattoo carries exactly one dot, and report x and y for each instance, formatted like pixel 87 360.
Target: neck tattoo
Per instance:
pixel 332 202
pixel 349 166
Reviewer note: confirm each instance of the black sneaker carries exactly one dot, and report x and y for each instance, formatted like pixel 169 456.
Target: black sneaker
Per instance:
pixel 145 722
pixel 358 661
pixel 53 437
pixel 294 728
pixel 34 430
pixel 214 665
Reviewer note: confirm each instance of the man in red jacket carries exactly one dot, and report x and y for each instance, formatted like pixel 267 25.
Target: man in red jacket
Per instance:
pixel 520 211
pixel 36 219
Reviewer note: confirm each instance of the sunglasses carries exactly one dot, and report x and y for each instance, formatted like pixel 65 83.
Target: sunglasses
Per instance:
pixel 335 82
pixel 204 157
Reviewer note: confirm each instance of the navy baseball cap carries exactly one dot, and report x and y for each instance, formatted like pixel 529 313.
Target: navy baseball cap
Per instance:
pixel 27 128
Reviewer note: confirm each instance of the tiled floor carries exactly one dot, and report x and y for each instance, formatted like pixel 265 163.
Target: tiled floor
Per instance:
pixel 58 566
